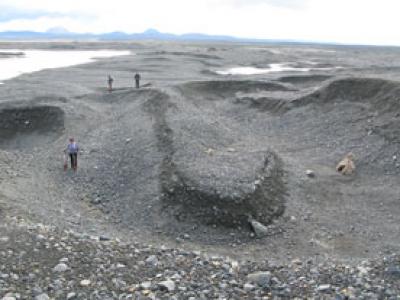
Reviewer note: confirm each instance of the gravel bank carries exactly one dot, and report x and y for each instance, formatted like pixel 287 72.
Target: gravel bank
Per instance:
pixel 41 262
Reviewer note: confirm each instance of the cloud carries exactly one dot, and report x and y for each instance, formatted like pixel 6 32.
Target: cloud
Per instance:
pixel 8 13
pixel 291 4
pixel 356 21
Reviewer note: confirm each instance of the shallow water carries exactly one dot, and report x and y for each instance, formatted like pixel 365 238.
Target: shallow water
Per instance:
pixel 272 69
pixel 36 60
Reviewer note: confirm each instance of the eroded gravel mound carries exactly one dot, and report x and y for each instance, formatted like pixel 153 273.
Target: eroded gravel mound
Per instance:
pixel 226 190
pixel 31 122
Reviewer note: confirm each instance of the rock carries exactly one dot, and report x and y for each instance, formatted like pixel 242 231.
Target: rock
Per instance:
pixel 209 151
pixel 168 285
pixel 42 297
pixel 40 237
pixel 259 229
pixel 310 173
pixel 393 271
pixel 4 239
pixel 262 279
pixel 37 291
pixel 71 296
pixel 324 288
pixel 60 268
pixel 104 238
pixel 8 298
pixel 248 287
pixel 85 282
pixel 64 260
pixel 152 260
pixel 296 262
pixel 145 285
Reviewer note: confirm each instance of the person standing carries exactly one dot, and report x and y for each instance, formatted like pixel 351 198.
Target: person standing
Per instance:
pixel 110 81
pixel 137 79
pixel 72 151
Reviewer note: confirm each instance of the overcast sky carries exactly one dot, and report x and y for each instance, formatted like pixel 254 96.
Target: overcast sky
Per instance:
pixel 344 21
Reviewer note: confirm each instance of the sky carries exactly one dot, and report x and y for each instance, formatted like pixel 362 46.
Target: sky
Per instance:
pixel 369 22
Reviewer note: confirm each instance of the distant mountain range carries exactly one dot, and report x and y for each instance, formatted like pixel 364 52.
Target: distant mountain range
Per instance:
pixel 60 33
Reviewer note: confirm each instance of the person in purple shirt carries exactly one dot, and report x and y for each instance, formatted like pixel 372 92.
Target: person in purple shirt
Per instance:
pixel 72 150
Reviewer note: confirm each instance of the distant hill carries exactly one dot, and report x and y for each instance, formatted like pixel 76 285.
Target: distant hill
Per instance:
pixel 60 33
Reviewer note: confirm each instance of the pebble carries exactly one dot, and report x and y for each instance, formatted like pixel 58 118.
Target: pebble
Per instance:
pixel 60 268
pixel 248 287
pixel 260 278
pixel 42 297
pixel 152 260
pixel 168 285
pixel 310 173
pixel 145 285
pixel 324 288
pixel 393 271
pixel 85 282
pixel 71 296
pixel 259 229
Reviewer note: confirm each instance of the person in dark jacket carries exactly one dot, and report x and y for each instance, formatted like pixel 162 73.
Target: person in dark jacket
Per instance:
pixel 110 81
pixel 137 79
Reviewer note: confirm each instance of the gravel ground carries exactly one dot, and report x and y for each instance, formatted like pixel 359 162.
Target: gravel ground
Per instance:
pixel 203 163
pixel 41 262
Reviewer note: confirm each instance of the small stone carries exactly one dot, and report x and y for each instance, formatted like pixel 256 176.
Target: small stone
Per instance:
pixel 4 239
pixel 259 229
pixel 85 282
pixel 297 261
pixel 145 285
pixel 324 288
pixel 71 296
pixel 42 297
pixel 260 278
pixel 8 298
pixel 152 260
pixel 248 287
pixel 393 271
pixel 60 268
pixel 209 151
pixel 146 292
pixel 310 173
pixel 168 285
pixel 40 237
